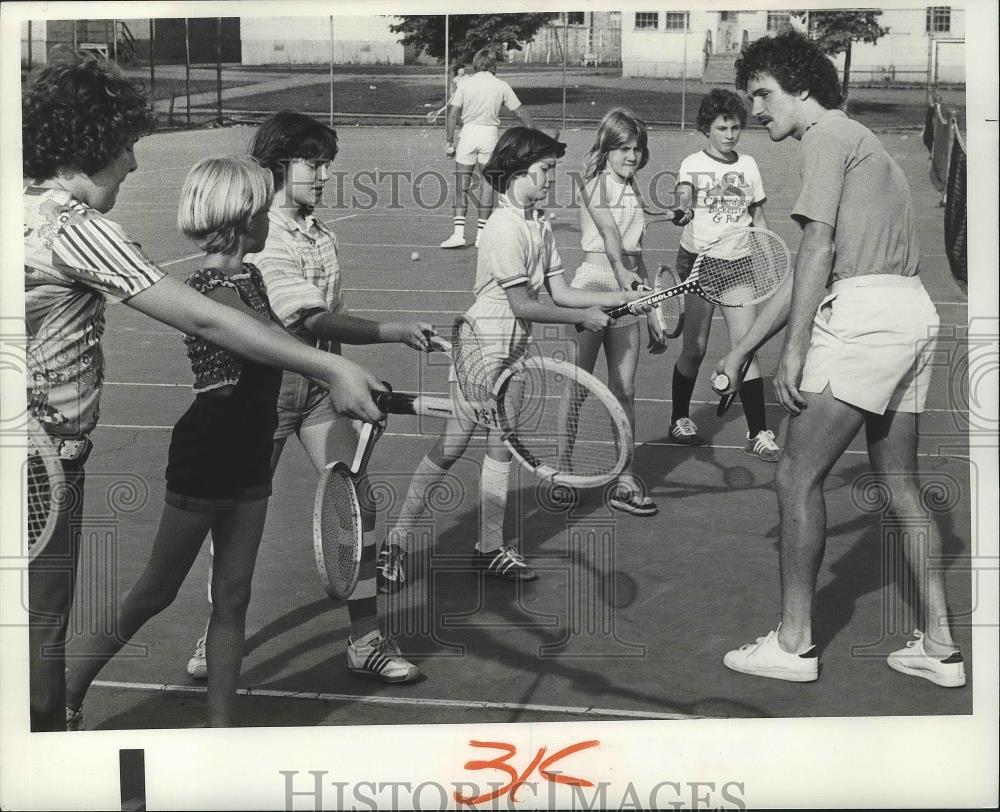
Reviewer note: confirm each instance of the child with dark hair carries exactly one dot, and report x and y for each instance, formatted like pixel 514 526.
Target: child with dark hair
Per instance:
pixel 301 271
pixel 517 259
pixel 81 121
pixel 720 190
pixel 861 332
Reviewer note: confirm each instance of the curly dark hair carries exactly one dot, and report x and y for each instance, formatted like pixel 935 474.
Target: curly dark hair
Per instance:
pixel 516 150
pixel 286 136
pixel 795 62
pixel 717 103
pixel 81 115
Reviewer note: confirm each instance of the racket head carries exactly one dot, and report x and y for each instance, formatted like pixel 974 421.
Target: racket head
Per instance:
pixel 563 424
pixel 744 267
pixel 43 488
pixel 669 314
pixel 337 531
pixel 481 359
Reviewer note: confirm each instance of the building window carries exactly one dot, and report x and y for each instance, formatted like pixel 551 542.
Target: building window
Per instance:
pixel 939 20
pixel 647 20
pixel 676 21
pixel 778 21
pixel 574 17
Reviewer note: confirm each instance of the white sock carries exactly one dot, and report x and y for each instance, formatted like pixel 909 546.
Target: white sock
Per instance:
pixel 427 474
pixel 492 504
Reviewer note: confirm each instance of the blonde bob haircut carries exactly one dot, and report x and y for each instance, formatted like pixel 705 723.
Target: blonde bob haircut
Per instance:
pixel 219 198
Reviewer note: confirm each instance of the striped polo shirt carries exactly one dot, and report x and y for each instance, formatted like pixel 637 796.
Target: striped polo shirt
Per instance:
pixel 301 271
pixel 75 260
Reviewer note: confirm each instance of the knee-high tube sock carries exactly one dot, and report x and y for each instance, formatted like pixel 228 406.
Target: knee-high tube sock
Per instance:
pixel 492 504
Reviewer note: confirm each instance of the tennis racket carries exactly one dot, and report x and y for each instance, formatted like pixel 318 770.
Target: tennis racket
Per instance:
pixel 557 420
pixel 669 314
pixel 43 482
pixel 721 381
pixel 744 267
pixel 337 530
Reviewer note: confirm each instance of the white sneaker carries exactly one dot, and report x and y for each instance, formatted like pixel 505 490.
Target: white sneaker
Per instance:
pixel 763 446
pixel 197 666
pixel 379 657
pixel 684 431
pixel 948 672
pixel 454 241
pixel 74 719
pixel 766 658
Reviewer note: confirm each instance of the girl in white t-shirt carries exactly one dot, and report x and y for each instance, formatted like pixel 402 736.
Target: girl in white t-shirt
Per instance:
pixel 720 190
pixel 611 228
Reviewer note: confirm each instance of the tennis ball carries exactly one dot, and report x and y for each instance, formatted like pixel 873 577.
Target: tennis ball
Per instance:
pixel 414 256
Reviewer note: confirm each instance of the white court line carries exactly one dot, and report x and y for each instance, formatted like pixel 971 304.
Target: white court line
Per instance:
pixel 651 444
pixel 364 699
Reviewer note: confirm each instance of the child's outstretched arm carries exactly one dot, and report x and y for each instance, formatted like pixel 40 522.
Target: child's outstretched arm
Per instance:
pixel 613 247
pixel 354 330
pixel 566 297
pixel 174 303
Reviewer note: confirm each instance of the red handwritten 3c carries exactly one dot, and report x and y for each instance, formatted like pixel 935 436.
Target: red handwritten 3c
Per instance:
pixel 543 765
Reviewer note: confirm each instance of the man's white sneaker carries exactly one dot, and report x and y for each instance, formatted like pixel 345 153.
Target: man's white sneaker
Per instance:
pixel 766 658
pixel 948 672
pixel 454 241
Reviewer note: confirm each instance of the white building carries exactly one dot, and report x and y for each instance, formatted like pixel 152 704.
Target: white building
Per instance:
pixel 306 40
pixel 703 44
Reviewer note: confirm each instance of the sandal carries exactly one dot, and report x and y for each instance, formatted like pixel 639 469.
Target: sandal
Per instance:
pixel 634 503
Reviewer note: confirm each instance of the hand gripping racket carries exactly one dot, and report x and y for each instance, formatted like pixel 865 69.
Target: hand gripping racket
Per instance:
pixel 744 267
pixel 721 381
pixel 337 530
pixel 43 486
pixel 558 421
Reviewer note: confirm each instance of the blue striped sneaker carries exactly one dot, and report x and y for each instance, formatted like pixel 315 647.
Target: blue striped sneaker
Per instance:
pixel 379 657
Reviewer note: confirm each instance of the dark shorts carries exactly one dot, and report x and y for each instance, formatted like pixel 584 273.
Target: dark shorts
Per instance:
pixel 220 451
pixel 685 262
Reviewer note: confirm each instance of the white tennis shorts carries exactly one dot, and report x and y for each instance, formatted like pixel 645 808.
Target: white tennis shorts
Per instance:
pixel 872 342
pixel 598 279
pixel 475 144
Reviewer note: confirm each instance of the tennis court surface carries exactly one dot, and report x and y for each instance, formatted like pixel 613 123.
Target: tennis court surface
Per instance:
pixel 630 616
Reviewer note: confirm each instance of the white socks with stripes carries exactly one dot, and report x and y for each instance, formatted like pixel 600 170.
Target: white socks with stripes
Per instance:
pixel 493 489
pixel 427 474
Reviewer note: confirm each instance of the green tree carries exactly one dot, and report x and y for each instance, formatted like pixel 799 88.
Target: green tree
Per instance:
pixel 835 31
pixel 467 33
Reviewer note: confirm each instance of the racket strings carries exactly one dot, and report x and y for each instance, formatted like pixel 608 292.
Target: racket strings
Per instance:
pixel 340 527
pixel 743 268
pixel 40 496
pixel 559 423
pixel 479 361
